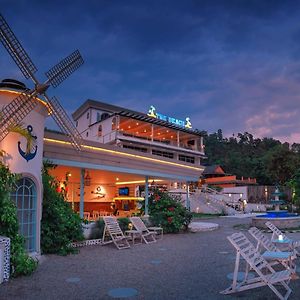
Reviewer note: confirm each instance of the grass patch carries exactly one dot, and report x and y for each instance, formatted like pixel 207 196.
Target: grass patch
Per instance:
pixel 205 216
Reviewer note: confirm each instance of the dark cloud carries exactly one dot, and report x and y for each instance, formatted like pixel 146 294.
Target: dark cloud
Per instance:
pixel 227 64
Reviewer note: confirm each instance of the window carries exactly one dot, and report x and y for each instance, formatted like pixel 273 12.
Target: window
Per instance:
pixel 88 115
pixel 162 153
pixel 76 123
pixel 98 116
pixel 104 116
pixel 87 134
pixel 140 149
pixel 25 198
pixel 189 159
pixel 100 130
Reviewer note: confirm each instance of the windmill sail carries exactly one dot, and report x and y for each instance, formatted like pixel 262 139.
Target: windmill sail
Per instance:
pixel 13 113
pixel 64 122
pixel 16 111
pixel 64 69
pixel 16 51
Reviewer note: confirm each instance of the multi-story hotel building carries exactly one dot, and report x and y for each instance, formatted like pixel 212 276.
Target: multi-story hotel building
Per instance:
pixel 124 154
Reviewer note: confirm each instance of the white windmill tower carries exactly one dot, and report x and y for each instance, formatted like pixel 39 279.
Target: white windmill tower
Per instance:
pixel 24 106
pixel 13 113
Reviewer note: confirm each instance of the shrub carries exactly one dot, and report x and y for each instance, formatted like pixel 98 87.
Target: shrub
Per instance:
pixel 60 225
pixel 168 212
pixel 20 262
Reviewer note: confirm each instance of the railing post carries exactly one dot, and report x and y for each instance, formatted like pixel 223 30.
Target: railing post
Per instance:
pixel 188 196
pixel 146 196
pixel 81 204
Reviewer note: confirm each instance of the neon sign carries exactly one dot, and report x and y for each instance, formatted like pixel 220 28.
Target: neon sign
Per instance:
pixel 185 124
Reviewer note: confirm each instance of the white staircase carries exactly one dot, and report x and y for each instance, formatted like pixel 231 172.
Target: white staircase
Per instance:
pixel 207 200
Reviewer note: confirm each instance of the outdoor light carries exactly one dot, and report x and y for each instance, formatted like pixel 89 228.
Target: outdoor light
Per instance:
pixel 280 237
pixel 87 179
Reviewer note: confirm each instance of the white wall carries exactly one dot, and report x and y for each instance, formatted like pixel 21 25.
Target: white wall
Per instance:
pixel 15 162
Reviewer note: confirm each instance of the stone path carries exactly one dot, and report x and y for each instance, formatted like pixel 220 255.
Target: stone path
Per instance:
pixel 179 267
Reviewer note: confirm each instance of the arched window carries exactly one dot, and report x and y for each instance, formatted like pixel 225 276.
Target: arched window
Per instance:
pixel 100 130
pixel 114 123
pixel 25 198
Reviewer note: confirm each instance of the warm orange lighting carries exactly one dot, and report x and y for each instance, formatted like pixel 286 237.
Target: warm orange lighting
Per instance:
pixel 129 198
pixel 159 133
pixel 171 136
pixel 18 93
pixel 117 179
pixel 126 154
pixel 137 123
pixel 138 181
pixel 129 126
pixel 145 130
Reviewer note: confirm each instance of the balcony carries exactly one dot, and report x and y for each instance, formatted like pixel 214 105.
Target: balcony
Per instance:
pixel 115 137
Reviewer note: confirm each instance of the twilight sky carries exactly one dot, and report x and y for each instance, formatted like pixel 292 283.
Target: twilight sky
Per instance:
pixel 233 65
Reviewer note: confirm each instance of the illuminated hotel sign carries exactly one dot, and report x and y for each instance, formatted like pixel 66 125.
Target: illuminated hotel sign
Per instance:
pixel 185 124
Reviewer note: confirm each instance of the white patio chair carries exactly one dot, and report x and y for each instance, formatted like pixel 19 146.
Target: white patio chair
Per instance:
pixel 114 232
pixel 286 242
pixel 147 235
pixel 265 275
pixel 271 252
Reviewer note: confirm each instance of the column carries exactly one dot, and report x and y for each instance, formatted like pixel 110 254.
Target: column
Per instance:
pixel 152 132
pixel 187 204
pixel 178 139
pixel 146 196
pixel 81 204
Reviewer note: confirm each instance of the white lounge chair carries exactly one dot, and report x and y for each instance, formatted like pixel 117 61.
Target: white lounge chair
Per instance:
pixel 285 242
pixel 265 274
pixel 147 235
pixel 271 252
pixel 113 230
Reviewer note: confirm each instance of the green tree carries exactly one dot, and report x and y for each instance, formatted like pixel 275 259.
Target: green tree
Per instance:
pixel 20 262
pixel 60 225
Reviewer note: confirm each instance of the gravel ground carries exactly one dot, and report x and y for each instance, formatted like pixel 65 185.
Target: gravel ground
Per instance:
pixel 181 266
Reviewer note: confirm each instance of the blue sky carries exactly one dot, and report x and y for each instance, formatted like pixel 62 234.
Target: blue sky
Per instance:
pixel 233 65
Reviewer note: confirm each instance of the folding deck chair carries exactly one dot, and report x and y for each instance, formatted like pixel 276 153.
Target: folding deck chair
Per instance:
pixel 265 274
pixel 147 235
pixel 272 253
pixel 113 230
pixel 286 242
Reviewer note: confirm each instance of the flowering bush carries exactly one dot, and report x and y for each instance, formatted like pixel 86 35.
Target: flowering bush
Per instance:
pixel 168 212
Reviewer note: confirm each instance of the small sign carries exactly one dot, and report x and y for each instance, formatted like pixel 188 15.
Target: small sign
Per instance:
pixel 185 124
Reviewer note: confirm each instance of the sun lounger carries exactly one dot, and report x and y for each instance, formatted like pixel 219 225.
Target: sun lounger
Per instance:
pixel 271 252
pixel 114 232
pixel 284 242
pixel 265 275
pixel 147 235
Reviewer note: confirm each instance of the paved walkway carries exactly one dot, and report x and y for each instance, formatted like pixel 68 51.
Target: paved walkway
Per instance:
pixel 181 267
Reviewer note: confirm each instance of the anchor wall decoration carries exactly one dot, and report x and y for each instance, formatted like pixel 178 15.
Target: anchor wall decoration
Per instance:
pixel 27 154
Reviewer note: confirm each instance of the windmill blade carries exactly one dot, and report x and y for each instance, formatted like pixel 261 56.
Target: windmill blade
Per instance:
pixel 14 112
pixel 16 51
pixel 64 69
pixel 64 122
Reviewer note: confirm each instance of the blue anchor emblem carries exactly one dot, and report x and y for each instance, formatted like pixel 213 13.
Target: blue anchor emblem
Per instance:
pixel 27 154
